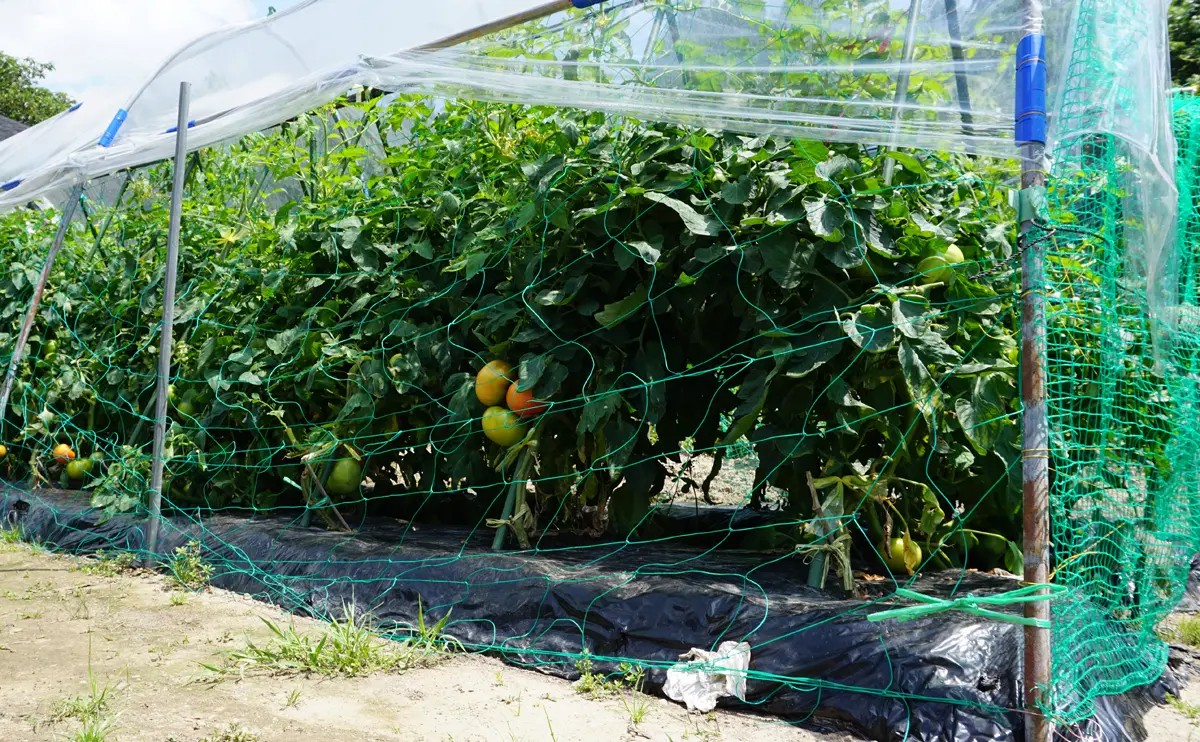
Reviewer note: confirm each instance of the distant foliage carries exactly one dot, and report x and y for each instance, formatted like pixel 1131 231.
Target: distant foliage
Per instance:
pixel 21 98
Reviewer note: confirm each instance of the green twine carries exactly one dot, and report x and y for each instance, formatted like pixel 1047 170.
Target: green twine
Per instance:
pixel 970 604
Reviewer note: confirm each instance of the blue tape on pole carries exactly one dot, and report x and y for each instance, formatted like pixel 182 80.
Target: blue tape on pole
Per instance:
pixel 175 128
pixel 1031 89
pixel 10 185
pixel 585 3
pixel 75 107
pixel 113 127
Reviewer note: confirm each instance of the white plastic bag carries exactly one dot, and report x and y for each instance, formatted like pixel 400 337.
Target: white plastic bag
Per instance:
pixel 708 676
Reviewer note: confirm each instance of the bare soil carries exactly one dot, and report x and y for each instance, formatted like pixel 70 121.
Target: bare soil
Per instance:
pixel 57 621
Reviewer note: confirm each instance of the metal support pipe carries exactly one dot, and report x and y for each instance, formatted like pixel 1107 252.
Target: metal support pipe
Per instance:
pixel 906 58
pixel 168 321
pixel 960 73
pixel 64 222
pixel 1035 464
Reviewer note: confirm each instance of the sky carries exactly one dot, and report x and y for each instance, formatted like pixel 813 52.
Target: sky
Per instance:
pixel 101 47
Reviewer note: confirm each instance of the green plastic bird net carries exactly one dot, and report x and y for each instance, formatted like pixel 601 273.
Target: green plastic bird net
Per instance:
pixel 415 331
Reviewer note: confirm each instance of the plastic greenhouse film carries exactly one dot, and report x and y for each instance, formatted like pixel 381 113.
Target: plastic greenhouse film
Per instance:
pixel 828 71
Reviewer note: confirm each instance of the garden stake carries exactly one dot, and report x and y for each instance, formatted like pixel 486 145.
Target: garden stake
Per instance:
pixel 168 321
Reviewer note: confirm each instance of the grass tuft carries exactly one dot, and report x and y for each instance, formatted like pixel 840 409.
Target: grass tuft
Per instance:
pixel 1188 631
pixel 110 564
pixel 95 730
pixel 348 647
pixel 232 733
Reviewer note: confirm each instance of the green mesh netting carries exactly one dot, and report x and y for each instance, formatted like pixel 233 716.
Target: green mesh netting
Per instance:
pixel 699 319
pixel 1121 383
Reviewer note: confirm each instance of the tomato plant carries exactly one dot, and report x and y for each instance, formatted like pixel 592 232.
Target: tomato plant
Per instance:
pixel 344 277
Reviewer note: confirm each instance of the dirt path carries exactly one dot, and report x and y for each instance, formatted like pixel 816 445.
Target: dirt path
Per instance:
pixel 145 642
pixel 147 649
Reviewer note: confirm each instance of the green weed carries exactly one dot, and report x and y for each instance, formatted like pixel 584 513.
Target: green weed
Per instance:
pixel 10 538
pixel 1188 631
pixel 432 638
pixel 593 683
pixel 293 699
pixel 94 730
pixel 232 733
pixel 110 564
pixel 636 703
pixel 90 707
pixel 1190 710
pixel 188 569
pixel 348 647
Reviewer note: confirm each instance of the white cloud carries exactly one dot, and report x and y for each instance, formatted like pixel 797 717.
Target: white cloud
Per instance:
pixel 102 47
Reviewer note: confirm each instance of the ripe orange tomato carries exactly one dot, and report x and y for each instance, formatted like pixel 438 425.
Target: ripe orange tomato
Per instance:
pixel 63 453
pixel 523 403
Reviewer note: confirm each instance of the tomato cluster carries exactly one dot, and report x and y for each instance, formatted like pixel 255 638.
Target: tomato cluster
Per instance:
pixel 497 381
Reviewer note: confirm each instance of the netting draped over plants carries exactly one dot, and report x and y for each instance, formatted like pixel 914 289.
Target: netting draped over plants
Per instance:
pixel 728 337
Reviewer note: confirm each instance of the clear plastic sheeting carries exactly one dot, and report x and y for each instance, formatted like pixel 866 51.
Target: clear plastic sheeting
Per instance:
pixel 933 74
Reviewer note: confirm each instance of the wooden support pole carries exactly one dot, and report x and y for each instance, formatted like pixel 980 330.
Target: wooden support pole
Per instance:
pixel 1035 464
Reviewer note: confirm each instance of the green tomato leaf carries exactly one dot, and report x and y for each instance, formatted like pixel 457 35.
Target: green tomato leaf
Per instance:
pixel 921 387
pixel 908 162
pixel 597 410
pixel 826 218
pixel 871 328
pixel 910 315
pixel 617 312
pixel 738 191
pixel 983 415
pixel 787 258
pixel 531 369
pixel 695 222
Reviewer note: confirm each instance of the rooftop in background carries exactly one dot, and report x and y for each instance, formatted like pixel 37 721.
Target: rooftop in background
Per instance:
pixel 8 127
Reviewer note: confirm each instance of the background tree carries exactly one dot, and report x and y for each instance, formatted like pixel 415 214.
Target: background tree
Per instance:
pixel 21 98
pixel 1184 27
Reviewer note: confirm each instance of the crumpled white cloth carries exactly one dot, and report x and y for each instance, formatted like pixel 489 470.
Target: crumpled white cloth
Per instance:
pixel 700 682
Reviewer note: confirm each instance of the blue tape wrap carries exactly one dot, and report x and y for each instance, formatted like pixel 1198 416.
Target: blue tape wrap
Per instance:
pixel 75 107
pixel 175 128
pixel 113 127
pixel 585 3
pixel 1031 89
pixel 10 185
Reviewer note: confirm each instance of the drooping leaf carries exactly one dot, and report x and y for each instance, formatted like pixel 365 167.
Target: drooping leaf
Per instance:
pixel 910 163
pixel 695 222
pixel 982 415
pixel 921 387
pixel 910 314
